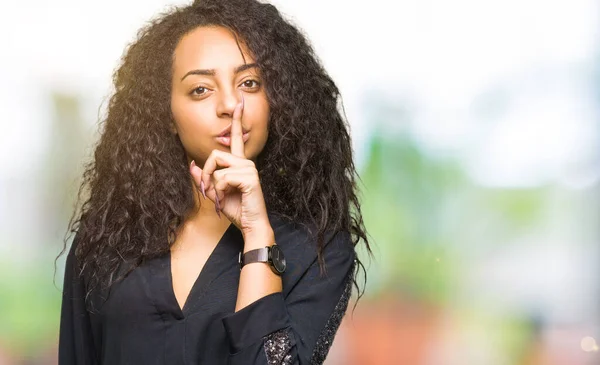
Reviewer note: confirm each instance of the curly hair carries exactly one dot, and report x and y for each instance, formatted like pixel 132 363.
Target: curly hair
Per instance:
pixel 137 184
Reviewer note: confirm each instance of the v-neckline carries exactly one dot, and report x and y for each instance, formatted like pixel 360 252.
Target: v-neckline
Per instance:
pixel 206 276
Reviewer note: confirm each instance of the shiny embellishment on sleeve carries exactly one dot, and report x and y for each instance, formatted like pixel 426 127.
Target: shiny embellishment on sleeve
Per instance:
pixel 333 323
pixel 278 347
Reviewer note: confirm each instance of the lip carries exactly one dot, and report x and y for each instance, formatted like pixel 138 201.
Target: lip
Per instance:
pixel 227 130
pixel 226 140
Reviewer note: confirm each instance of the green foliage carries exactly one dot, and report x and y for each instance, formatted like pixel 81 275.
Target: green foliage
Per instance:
pixel 404 199
pixel 29 306
pixel 425 216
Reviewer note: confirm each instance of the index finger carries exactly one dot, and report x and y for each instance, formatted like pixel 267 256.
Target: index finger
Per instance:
pixel 237 138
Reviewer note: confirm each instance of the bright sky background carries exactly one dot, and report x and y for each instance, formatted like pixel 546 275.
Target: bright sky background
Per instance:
pixel 505 85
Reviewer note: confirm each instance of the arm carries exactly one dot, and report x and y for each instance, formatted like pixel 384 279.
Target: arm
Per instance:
pixel 75 345
pixel 258 280
pixel 297 327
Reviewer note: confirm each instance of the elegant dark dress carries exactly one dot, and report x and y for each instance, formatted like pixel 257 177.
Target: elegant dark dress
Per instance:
pixel 142 323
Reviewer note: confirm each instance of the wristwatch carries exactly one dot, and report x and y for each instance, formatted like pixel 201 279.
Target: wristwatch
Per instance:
pixel 270 254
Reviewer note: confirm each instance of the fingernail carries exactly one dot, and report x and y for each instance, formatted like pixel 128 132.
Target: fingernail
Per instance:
pixel 202 190
pixel 193 163
pixel 217 205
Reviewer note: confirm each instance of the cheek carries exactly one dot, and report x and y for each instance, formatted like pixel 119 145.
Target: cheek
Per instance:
pixel 188 117
pixel 260 115
pixel 260 119
pixel 181 111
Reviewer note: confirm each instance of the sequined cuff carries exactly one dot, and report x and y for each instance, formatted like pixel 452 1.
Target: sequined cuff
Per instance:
pixel 333 323
pixel 278 346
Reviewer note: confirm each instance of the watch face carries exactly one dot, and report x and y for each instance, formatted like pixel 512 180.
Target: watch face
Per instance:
pixel 277 259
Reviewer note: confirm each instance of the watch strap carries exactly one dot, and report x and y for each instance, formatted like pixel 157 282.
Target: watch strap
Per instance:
pixel 256 255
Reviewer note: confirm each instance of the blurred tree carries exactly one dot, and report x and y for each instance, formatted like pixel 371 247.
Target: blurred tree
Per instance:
pixel 63 168
pixel 425 214
pixel 405 203
pixel 29 310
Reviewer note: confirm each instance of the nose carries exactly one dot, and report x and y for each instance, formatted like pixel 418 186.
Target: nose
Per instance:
pixel 227 103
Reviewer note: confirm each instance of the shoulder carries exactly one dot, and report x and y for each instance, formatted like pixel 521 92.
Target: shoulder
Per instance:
pixel 71 258
pixel 299 246
pixel 300 239
pixel 74 264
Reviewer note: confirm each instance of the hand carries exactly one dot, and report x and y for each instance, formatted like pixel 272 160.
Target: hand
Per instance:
pixel 235 188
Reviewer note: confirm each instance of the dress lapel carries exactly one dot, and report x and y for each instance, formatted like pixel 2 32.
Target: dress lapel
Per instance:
pixel 220 260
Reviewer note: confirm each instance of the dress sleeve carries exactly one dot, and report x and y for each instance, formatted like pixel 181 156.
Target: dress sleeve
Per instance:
pixel 297 328
pixel 75 346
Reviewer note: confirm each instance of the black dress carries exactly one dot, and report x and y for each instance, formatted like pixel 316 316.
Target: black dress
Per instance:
pixel 141 321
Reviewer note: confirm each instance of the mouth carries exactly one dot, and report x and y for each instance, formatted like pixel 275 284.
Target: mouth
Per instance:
pixel 227 131
pixel 225 139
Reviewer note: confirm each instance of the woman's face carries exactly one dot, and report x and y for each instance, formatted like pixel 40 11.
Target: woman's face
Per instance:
pixel 209 78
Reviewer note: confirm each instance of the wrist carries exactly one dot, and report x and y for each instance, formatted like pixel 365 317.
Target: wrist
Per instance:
pixel 258 238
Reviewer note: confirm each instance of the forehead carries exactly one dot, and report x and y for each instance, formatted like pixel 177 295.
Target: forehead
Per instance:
pixel 209 48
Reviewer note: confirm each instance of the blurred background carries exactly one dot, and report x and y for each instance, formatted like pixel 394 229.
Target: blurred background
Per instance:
pixel 476 131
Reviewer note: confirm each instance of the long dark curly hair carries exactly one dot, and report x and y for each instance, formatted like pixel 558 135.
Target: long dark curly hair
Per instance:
pixel 136 190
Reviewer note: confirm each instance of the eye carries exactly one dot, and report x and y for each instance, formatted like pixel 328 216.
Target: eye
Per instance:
pixel 199 91
pixel 251 83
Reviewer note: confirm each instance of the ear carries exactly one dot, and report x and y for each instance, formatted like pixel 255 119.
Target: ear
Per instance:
pixel 172 126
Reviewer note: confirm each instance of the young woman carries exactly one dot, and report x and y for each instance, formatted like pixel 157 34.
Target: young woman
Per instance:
pixel 221 215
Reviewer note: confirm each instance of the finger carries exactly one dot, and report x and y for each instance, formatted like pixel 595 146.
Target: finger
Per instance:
pixel 232 178
pixel 237 138
pixel 196 173
pixel 219 158
pixel 214 197
pixel 217 206
pixel 214 160
pixel 217 194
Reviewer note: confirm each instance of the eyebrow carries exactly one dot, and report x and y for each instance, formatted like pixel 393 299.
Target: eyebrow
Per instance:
pixel 212 72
